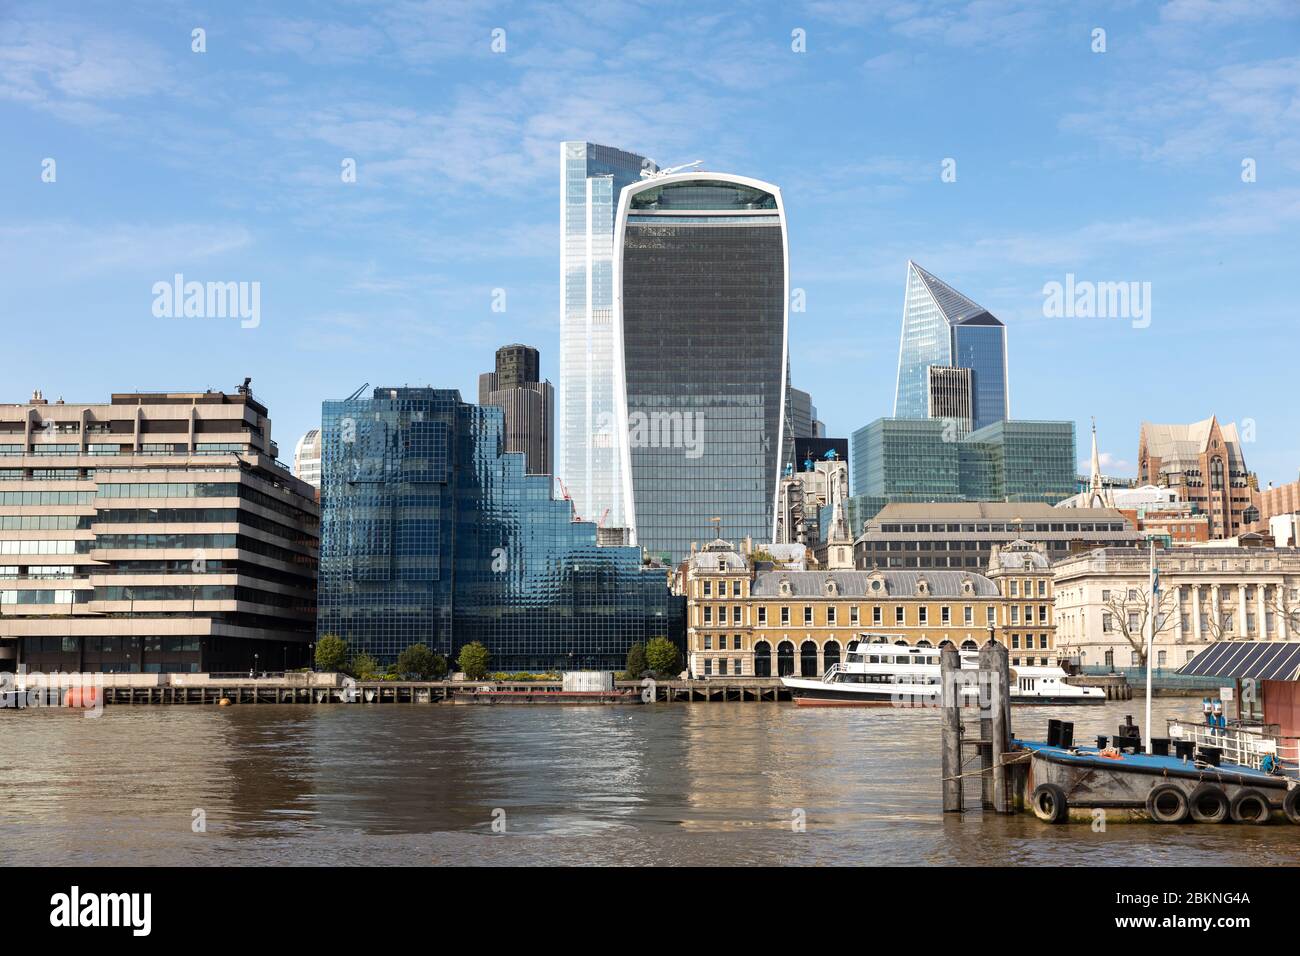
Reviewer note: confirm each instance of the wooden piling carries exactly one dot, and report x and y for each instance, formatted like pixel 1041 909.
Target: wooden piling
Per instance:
pixel 1000 739
pixel 950 700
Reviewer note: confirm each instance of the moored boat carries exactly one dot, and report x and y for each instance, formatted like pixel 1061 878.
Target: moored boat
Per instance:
pixel 881 671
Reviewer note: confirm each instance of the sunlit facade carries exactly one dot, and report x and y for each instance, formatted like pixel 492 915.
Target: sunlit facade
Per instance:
pixel 943 328
pixel 432 534
pixel 589 460
pixel 701 290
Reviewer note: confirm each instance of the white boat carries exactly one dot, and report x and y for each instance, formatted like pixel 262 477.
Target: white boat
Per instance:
pixel 883 671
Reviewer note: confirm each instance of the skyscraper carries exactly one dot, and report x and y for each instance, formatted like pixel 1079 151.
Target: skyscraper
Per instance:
pixel 591 177
pixel 942 328
pixel 432 534
pixel 514 387
pixel 700 294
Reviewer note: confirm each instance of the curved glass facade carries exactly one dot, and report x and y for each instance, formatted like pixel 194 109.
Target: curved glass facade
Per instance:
pixel 703 324
pixel 432 534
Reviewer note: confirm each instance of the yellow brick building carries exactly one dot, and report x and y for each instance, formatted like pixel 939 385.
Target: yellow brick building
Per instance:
pixel 773 621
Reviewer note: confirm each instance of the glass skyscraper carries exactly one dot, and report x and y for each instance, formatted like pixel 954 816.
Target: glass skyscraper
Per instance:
pixel 701 295
pixel 943 328
pixel 590 460
pixel 431 533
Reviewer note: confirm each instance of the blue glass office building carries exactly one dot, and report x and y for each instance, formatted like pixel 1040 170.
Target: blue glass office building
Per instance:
pixel 431 533
pixel 943 328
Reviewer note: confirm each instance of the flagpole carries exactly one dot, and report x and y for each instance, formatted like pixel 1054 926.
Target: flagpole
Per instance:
pixel 1154 586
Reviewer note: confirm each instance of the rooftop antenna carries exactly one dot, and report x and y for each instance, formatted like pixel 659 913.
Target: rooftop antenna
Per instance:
pixel 654 174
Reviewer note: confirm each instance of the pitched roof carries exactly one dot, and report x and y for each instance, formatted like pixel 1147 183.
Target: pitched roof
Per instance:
pixel 956 308
pixel 858 583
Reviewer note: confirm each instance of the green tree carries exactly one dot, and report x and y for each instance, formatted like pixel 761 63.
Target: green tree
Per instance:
pixel 331 653
pixel 474 660
pixel 421 663
pixel 365 667
pixel 661 655
pixel 636 663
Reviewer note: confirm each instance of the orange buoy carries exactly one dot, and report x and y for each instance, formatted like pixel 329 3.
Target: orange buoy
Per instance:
pixel 86 697
pixel 224 702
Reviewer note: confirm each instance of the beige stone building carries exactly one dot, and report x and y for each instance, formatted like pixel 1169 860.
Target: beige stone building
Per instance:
pixel 153 533
pixel 1207 595
pixel 759 621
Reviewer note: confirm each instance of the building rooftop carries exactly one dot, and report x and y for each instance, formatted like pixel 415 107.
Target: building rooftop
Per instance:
pixel 990 510
pixel 940 583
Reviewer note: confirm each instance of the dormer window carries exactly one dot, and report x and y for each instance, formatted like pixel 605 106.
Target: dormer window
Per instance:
pixel 785 587
pixel 832 588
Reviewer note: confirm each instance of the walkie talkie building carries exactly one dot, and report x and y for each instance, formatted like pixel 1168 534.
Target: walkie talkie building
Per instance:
pixel 700 299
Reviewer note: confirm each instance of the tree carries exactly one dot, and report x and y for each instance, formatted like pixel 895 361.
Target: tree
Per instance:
pixel 421 663
pixel 661 655
pixel 1287 609
pixel 365 667
pixel 474 660
pixel 636 662
pixel 1129 610
pixel 331 653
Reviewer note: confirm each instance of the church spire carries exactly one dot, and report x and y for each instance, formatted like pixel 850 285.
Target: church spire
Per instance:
pixel 1095 496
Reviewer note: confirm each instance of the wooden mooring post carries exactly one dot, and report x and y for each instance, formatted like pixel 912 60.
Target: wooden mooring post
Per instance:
pixel 993 745
pixel 950 700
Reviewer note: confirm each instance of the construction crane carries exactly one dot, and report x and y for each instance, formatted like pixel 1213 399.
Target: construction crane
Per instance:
pixel 573 511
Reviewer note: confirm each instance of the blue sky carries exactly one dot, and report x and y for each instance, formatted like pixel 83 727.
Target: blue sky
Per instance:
pixel 1122 166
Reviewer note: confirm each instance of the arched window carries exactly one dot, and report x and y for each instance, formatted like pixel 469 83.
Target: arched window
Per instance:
pixel 1216 473
pixel 785 659
pixel 830 654
pixel 808 660
pixel 762 659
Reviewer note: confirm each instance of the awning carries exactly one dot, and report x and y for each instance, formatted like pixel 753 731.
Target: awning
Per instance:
pixel 1262 660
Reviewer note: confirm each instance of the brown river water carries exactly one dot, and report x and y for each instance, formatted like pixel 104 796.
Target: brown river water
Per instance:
pixel 664 784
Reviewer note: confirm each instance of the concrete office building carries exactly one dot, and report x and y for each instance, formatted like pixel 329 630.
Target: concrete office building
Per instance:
pixel 962 534
pixel 516 388
pixel 156 532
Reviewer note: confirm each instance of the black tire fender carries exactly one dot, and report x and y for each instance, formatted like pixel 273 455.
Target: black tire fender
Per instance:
pixel 1167 803
pixel 1250 806
pixel 1209 804
pixel 1291 805
pixel 1050 803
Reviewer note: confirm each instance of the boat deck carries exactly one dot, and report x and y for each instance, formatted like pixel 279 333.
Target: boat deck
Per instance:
pixel 1166 766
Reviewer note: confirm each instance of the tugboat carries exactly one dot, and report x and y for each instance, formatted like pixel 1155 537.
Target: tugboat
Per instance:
pixel 880 670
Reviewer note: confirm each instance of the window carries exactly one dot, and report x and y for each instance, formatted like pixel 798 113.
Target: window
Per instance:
pixel 807 614
pixel 735 614
pixel 762 614
pixel 830 614
pixel 1106 623
pixel 990 614
pixel 853 615
pixel 898 614
pixel 922 614
pixel 1015 642
pixel 735 588
pixel 708 589
pixel 785 615
pixel 722 667
pixel 945 615
pixel 876 615
pixel 708 667
pixel 968 615
pixel 708 614
pixel 708 642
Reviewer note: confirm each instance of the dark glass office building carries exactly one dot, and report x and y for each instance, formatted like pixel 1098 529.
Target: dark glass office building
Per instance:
pixel 700 310
pixel 431 533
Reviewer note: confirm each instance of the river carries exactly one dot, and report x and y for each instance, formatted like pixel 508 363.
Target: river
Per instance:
pixel 664 784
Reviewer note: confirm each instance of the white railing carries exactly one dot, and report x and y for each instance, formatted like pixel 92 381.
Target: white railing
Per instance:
pixel 1242 745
